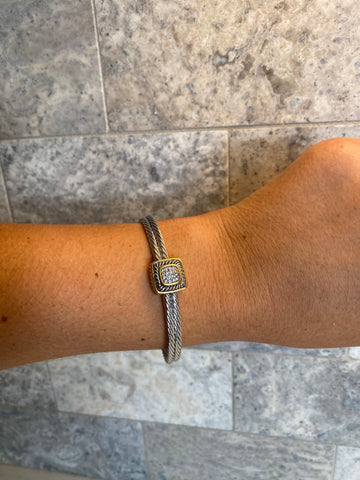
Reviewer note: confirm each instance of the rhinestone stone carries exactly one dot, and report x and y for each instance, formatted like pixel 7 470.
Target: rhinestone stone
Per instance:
pixel 170 274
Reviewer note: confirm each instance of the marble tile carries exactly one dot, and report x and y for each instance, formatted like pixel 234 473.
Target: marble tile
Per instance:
pixel 187 453
pixel 106 448
pixel 304 397
pixel 27 385
pixel 49 72
pixel 354 352
pixel 225 63
pixel 11 472
pixel 347 464
pixel 196 390
pixel 111 179
pixel 258 155
pixel 265 347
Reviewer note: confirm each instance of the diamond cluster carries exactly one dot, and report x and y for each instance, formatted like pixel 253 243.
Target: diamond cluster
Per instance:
pixel 167 275
pixel 170 275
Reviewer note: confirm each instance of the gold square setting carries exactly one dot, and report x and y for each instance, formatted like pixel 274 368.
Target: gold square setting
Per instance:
pixel 168 276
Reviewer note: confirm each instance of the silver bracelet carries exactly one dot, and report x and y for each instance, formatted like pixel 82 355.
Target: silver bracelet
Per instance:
pixel 167 278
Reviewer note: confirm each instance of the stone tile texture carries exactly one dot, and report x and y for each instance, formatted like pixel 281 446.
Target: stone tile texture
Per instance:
pixel 206 102
pixel 140 386
pixel 115 179
pixel 347 464
pixel 49 72
pixel 5 213
pixel 354 352
pixel 27 385
pixel 302 397
pixel 265 347
pixel 224 63
pixel 105 448
pixel 181 453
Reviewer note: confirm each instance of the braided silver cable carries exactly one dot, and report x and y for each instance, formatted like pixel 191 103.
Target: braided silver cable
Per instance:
pixel 158 236
pixel 174 324
pixel 151 238
pixel 170 300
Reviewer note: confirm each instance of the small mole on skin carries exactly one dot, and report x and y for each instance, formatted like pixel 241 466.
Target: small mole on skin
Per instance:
pixel 244 237
pixel 143 339
pixel 4 319
pixel 96 275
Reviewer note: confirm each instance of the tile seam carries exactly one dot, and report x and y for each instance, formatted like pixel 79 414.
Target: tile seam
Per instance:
pixel 185 130
pixel 237 432
pixel 143 133
pixel 146 457
pixel 52 385
pixel 278 438
pixel 7 201
pixel 233 391
pixel 332 477
pixel 102 87
pixel 347 354
pixel 30 408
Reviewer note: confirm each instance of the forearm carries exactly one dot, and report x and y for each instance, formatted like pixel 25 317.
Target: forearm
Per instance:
pixel 281 267
pixel 74 289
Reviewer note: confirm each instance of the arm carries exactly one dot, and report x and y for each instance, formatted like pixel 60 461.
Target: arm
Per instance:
pixel 73 289
pixel 282 267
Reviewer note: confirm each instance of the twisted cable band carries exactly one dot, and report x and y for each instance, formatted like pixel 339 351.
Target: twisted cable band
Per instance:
pixel 170 300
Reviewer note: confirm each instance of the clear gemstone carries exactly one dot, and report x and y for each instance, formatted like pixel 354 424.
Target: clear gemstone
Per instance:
pixel 170 274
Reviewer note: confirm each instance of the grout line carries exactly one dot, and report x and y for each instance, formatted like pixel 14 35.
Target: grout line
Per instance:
pixel 126 133
pixel 137 133
pixel 274 437
pixel 347 353
pixel 7 201
pixel 52 385
pixel 228 168
pixel 334 463
pixel 100 65
pixel 233 390
pixel 147 469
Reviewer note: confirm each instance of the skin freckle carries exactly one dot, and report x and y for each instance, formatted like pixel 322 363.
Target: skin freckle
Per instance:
pixel 4 319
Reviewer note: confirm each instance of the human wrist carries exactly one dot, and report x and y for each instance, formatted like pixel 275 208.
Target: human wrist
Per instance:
pixel 192 240
pixel 219 301
pixel 245 276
